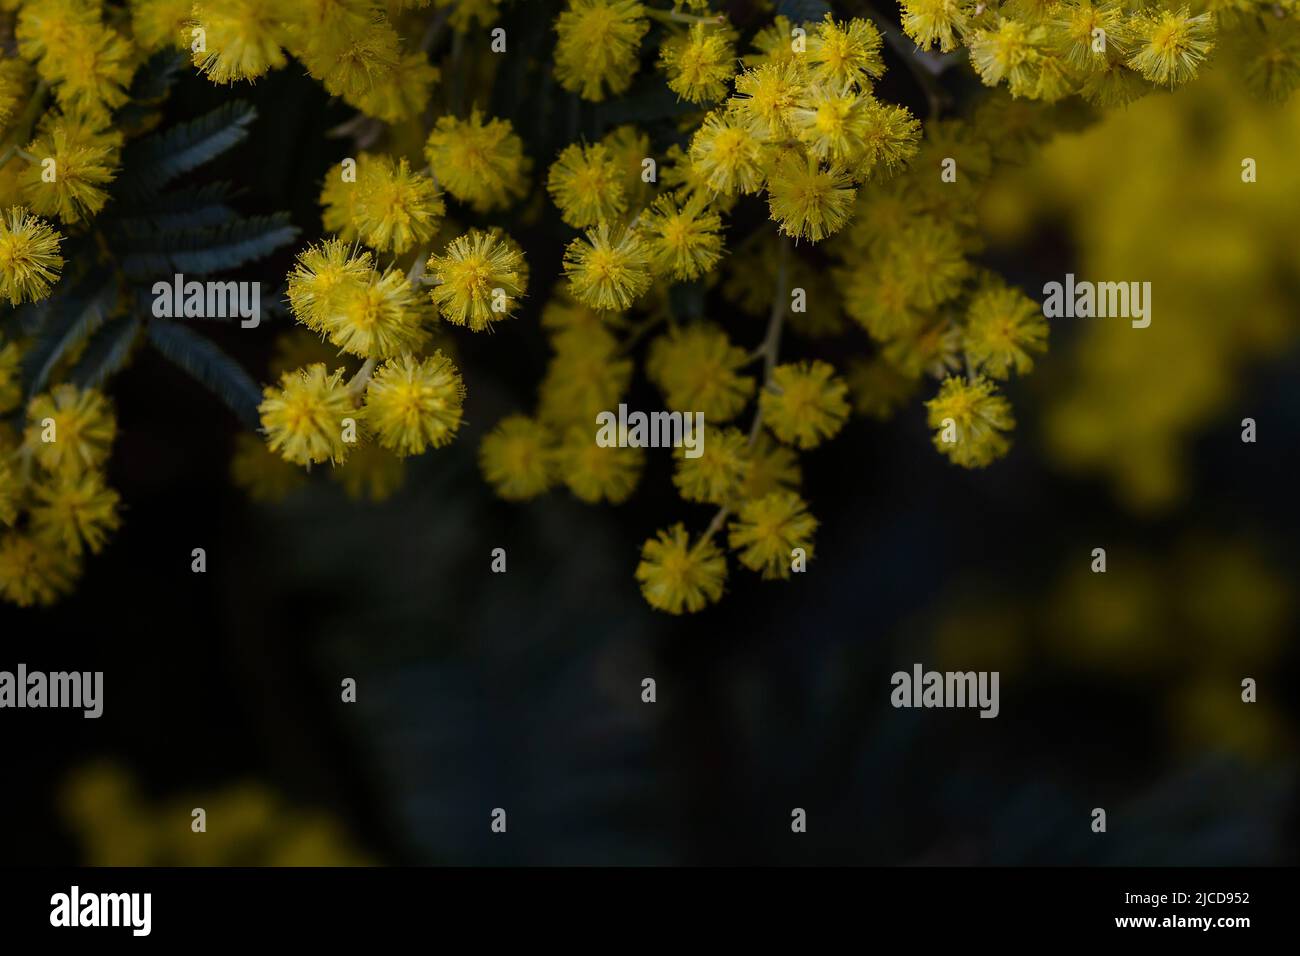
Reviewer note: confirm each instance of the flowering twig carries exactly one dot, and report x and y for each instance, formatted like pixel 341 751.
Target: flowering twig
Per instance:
pixel 357 384
pixel 768 350
pixel 23 125
pixel 936 96
pixel 771 344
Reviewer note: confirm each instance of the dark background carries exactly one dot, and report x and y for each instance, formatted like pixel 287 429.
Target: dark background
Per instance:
pixel 522 690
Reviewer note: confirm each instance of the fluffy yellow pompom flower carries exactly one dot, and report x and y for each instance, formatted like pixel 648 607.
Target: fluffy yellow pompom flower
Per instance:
pixel 717 475
pixel 879 389
pixel 930 259
pixel 75 511
pixel 351 63
pixel 11 386
pixel 767 531
pixel 481 163
pixel 586 185
pixel 609 269
pixel 323 277
pixel 1271 59
pixel 88 63
pixel 78 434
pixel 303 417
pixel 29 257
pixel 698 370
pixel 1003 326
pixel 91 70
pixel 394 208
pixel 934 22
pixel 594 473
pixel 677 577
pixel 158 24
pixel 12 489
pixel 700 64
pixel 970 419
pixel 628 149
pixel 338 196
pixel 467 13
pixel 85 162
pixel 685 241
pixel 1010 52
pixel 242 39
pixel 765 96
pixel 401 96
pixel 805 403
pixel 413 404
pixel 515 458
pixel 262 474
pixel 830 122
pixel 772 466
pixel 891 137
pixel 807 201
pixel 481 276
pixel 597 45
pixel 840 53
pixel 34 573
pixel 773 45
pixel 379 319
pixel 1115 85
pixel 1078 20
pixel 726 153
pixel 880 298
pixel 1172 45
pixel 46 30
pixel 587 375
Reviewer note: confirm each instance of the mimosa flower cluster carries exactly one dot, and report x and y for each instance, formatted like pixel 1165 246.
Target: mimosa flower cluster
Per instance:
pixel 743 219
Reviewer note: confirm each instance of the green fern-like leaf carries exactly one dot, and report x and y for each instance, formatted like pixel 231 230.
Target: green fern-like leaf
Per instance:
pixel 69 321
pixel 106 352
pixel 187 208
pixel 207 249
pixel 204 361
pixel 152 162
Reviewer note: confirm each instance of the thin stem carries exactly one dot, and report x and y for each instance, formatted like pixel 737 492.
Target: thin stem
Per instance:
pixel 358 383
pixel 768 350
pixel 672 16
pixel 771 344
pixel 418 266
pixel 23 126
pixel 714 526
